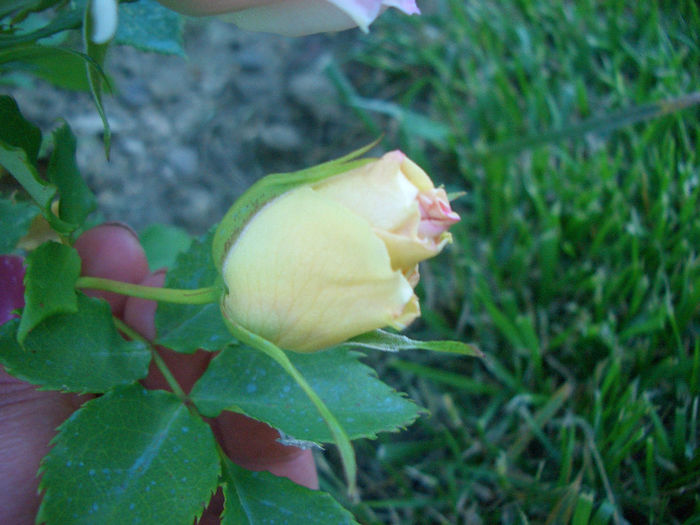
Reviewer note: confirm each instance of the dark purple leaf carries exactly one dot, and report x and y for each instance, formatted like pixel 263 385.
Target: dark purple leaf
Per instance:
pixel 11 286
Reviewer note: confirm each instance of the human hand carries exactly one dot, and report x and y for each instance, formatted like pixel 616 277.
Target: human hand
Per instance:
pixel 28 417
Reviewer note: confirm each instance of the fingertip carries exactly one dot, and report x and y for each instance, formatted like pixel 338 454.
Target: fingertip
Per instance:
pixel 112 251
pixel 29 418
pixel 140 313
pixel 300 468
pixel 254 445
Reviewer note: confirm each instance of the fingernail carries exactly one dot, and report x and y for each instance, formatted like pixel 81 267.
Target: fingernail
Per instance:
pixel 121 225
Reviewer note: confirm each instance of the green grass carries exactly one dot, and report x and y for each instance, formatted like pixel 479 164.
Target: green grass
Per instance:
pixel 574 129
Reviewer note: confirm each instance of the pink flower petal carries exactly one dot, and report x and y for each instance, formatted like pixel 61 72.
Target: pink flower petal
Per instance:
pixel 407 6
pixel 436 215
pixel 363 12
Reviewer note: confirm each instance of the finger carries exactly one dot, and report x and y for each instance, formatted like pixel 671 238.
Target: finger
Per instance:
pixel 293 470
pixel 140 315
pixel 254 445
pixel 28 419
pixel 112 251
pixel 300 468
pixel 212 514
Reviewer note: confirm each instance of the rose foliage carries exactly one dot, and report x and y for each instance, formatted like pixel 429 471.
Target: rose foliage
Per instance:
pixel 297 231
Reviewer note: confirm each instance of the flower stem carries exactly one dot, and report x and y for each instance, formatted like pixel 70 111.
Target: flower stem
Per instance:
pixel 157 359
pixel 347 453
pixel 168 295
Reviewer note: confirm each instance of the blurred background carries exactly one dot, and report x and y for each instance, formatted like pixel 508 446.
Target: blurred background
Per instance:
pixel 573 128
pixel 191 133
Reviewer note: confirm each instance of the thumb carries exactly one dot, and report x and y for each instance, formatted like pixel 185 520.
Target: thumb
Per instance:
pixel 112 251
pixel 29 417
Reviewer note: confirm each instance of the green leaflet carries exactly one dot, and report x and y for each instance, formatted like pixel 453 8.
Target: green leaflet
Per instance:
pixel 19 148
pixel 148 26
pixel 77 200
pixel 52 270
pixel 162 244
pixel 252 498
pixel 130 456
pixel 62 67
pixel 15 218
pixel 76 352
pixel 16 131
pixel 362 403
pixel 340 437
pixel 15 161
pixel 64 20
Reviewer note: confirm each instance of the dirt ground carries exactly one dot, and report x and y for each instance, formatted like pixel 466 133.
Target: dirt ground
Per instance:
pixel 189 135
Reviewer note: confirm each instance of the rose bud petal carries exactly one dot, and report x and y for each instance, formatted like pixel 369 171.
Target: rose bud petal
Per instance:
pixel 293 17
pixel 331 260
pixel 104 16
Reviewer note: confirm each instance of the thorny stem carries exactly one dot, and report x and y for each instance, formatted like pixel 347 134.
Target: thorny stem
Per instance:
pixel 157 359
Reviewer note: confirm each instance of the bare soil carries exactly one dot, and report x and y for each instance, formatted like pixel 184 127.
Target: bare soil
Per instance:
pixel 189 135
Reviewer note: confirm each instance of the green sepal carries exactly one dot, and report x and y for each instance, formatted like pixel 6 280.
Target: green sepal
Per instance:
pixel 95 75
pixel 270 187
pixel 389 342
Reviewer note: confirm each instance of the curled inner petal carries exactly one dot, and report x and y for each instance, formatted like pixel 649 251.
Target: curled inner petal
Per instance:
pixel 436 214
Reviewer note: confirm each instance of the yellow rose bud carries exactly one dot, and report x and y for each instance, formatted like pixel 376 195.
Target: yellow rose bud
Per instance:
pixel 331 260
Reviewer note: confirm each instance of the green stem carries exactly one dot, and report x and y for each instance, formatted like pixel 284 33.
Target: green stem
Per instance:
pixel 169 295
pixel 157 359
pixel 347 453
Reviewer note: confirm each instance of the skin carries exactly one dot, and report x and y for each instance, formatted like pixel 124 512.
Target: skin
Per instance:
pixel 28 417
